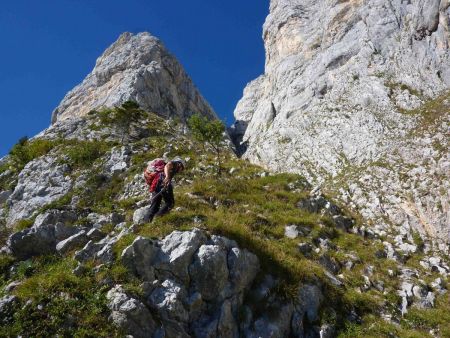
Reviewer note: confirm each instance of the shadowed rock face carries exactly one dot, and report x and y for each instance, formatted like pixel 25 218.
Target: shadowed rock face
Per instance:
pixel 342 83
pixel 138 68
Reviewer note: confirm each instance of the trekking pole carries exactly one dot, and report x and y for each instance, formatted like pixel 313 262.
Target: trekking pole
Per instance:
pixel 154 197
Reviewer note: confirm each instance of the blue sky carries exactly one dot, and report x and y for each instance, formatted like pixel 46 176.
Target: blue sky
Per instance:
pixel 50 46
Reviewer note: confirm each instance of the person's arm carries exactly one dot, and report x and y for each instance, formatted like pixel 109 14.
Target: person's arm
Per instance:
pixel 168 172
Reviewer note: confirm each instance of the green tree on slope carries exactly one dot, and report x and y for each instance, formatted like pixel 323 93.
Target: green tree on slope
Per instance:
pixel 208 132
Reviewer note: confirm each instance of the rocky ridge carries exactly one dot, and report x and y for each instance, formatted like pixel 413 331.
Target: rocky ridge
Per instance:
pixel 137 68
pixel 355 97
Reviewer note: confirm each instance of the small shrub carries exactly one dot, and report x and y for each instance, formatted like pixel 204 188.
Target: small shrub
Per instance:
pixel 100 193
pixel 83 154
pixel 25 151
pixel 4 167
pixel 23 224
pixel 5 263
pixel 206 131
pixel 122 117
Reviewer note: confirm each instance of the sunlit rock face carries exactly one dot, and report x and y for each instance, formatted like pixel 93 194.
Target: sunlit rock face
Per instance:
pixel 138 68
pixel 355 96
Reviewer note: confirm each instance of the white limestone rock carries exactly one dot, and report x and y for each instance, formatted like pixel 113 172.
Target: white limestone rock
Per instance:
pixel 32 242
pixel 338 77
pixel 209 272
pixel 77 240
pixel 41 182
pixel 168 300
pixel 142 215
pixel 179 248
pixel 140 257
pixel 243 267
pixel 118 160
pixel 291 231
pixel 137 68
pixel 130 314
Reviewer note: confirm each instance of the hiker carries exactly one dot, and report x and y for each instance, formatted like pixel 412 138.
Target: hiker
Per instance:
pixel 158 176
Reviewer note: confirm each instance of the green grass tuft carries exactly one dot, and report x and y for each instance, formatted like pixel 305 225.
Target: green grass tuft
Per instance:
pixel 71 305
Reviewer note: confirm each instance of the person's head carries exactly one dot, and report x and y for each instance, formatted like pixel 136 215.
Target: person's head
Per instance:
pixel 179 164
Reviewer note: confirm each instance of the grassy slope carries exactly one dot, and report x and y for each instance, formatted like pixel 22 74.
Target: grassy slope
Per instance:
pixel 243 206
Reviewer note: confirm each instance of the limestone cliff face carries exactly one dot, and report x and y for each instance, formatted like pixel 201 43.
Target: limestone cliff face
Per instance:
pixel 139 68
pixel 348 97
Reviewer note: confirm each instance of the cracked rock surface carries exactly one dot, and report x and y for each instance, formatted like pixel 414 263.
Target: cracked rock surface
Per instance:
pixel 355 96
pixel 138 68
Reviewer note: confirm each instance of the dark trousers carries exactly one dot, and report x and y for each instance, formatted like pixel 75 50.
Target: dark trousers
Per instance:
pixel 169 202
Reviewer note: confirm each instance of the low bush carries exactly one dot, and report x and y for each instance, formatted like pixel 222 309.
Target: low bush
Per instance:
pixel 100 193
pixel 26 150
pixel 83 154
pixel 55 302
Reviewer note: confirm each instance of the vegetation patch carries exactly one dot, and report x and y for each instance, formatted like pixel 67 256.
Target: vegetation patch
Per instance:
pixel 27 150
pixel 100 193
pixel 83 154
pixel 53 301
pixel 431 112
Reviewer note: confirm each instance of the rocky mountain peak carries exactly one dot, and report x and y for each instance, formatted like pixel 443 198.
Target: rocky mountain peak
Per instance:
pixel 138 68
pixel 355 96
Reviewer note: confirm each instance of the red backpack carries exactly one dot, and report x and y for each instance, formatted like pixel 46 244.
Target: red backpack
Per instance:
pixel 153 172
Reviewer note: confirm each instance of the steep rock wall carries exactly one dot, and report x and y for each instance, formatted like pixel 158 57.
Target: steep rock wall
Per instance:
pixel 347 100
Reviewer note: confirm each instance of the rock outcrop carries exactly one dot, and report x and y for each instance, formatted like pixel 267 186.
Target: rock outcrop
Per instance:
pixel 137 68
pixel 41 182
pixel 197 284
pixel 348 98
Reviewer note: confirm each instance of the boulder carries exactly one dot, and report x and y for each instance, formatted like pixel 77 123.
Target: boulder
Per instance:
pixel 33 242
pixel 129 314
pixel 64 231
pixel 55 216
pixel 99 220
pixel 118 160
pixel 142 215
pixel 140 257
pixel 209 272
pixel 95 234
pixel 223 242
pixel 88 251
pixel 179 248
pixel 75 241
pixel 243 267
pixel 169 299
pixel 106 254
pixel 42 181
